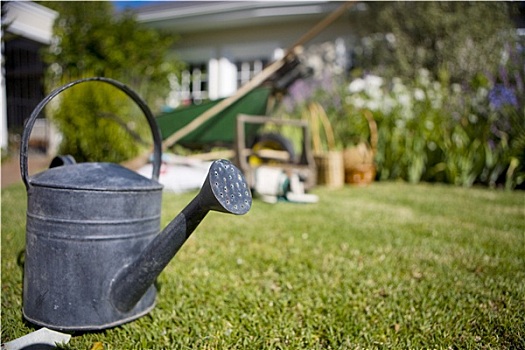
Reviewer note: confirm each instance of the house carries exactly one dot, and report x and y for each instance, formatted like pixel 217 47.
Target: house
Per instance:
pixel 226 43
pixel 28 28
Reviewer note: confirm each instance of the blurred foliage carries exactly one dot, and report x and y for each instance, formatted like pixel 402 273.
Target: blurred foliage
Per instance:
pixel 92 39
pixel 453 40
pixel 439 119
pixel 429 131
pixel 98 123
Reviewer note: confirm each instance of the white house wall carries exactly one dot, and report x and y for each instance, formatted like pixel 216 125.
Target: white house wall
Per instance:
pixel 222 71
pixel 255 41
pixel 220 49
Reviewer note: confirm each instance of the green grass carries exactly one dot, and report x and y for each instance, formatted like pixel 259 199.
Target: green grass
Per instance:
pixel 391 265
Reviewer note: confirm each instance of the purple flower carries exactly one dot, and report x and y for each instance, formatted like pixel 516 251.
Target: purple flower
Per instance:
pixel 501 96
pixel 327 83
pixel 300 91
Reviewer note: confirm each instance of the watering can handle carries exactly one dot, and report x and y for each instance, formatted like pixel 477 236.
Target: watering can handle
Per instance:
pixel 157 141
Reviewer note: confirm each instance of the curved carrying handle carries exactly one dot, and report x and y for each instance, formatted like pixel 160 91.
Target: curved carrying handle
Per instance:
pixel 157 141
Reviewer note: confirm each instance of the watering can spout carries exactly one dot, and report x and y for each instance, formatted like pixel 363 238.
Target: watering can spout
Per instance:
pixel 224 190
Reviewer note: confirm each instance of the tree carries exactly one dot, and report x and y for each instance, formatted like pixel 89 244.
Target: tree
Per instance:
pixel 90 39
pixel 97 122
pixel 453 40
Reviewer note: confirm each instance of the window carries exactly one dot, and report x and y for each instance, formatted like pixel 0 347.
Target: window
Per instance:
pixel 246 70
pixel 193 86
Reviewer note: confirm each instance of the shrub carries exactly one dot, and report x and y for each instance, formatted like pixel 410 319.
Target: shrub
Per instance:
pixel 432 132
pixel 99 123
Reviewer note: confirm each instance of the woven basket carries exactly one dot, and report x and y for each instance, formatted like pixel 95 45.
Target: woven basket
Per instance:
pixel 329 163
pixel 360 175
pixel 330 169
pixel 359 167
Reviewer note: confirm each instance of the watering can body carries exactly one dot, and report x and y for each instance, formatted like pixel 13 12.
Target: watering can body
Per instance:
pixel 78 237
pixel 84 223
pixel 93 243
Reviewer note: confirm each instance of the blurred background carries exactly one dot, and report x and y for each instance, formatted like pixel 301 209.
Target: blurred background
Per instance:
pixel 418 91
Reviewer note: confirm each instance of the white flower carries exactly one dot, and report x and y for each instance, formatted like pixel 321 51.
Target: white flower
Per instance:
pixel 397 80
pixel 373 105
pixel 405 100
pixel 367 41
pixel 424 73
pixel 457 140
pixel 437 102
pixel 374 81
pixel 398 87
pixel 482 93
pixel 374 92
pixel 391 38
pixel 424 77
pixel 408 114
pixel 419 94
pixel 388 105
pixel 356 101
pixel 400 124
pixel 357 85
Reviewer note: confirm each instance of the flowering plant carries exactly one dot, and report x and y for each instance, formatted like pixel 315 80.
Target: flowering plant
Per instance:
pixel 431 130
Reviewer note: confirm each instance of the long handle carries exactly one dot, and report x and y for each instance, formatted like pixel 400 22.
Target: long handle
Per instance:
pixel 372 125
pixel 319 27
pixel 157 141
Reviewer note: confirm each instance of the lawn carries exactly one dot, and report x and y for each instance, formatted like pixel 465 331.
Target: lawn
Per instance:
pixel 390 265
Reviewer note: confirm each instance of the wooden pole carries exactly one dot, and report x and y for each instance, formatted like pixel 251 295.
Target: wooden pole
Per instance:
pixel 319 27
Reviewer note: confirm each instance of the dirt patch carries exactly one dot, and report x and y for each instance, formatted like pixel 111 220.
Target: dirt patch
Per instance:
pixel 11 168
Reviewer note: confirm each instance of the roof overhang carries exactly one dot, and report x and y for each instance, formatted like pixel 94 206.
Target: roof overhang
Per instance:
pixel 30 20
pixel 196 16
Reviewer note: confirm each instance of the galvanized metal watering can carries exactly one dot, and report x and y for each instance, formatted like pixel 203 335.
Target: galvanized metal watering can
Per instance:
pixel 93 247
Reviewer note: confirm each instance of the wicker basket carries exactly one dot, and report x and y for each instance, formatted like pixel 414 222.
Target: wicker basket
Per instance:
pixel 329 162
pixel 361 174
pixel 330 169
pixel 359 160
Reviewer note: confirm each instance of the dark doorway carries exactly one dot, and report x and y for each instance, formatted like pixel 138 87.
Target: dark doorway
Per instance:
pixel 24 79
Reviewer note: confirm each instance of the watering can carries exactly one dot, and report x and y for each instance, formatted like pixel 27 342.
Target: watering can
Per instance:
pixel 93 247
